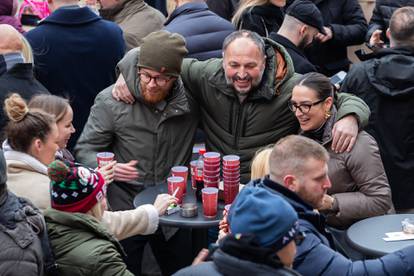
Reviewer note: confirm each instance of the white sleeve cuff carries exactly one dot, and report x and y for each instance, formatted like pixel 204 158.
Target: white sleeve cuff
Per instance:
pixel 153 218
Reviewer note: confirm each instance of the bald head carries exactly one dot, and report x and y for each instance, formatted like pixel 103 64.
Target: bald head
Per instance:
pixel 10 41
pixel 401 30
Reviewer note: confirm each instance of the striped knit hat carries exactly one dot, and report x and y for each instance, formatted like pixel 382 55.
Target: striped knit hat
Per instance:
pixel 75 188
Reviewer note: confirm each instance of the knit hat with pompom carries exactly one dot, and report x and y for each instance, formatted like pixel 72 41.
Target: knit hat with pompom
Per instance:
pixel 75 188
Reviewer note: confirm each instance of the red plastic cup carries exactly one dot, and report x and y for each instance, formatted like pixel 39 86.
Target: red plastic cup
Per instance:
pixel 211 157
pixel 231 160
pixel 214 183
pixel 231 176
pixel 231 168
pixel 210 198
pixel 181 171
pixel 230 193
pixel 193 166
pixel 176 185
pixel 211 173
pixel 104 158
pixel 209 167
pixel 211 178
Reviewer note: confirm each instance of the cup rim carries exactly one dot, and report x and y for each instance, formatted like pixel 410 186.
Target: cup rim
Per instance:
pixel 106 154
pixel 209 190
pixel 179 168
pixel 175 179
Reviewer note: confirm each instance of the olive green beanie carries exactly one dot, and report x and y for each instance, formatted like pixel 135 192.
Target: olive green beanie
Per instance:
pixel 163 52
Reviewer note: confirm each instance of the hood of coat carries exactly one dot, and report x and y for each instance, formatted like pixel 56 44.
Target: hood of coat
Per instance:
pixel 279 69
pixel 177 99
pixel 65 226
pixel 391 72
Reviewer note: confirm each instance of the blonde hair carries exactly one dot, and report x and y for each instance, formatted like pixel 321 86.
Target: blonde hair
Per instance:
pixel 27 51
pixel 244 5
pixel 260 163
pixel 96 211
pixel 51 104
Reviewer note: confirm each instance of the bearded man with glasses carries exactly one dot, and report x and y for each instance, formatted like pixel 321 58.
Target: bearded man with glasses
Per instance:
pixel 147 137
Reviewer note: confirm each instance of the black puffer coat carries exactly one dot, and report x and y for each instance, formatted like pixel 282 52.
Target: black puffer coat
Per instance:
pixel 386 83
pixel 382 13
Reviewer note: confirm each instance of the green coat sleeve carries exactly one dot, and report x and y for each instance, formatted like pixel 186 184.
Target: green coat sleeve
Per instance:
pixel 127 67
pixel 348 104
pixel 98 132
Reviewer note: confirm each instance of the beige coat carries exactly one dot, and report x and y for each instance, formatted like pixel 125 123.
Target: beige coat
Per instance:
pixel 136 19
pixel 28 178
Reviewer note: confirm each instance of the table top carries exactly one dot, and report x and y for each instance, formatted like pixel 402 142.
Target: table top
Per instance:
pixel 366 235
pixel 150 193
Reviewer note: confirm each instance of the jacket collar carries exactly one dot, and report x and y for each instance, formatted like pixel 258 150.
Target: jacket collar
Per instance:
pixel 21 71
pixel 11 155
pixel 71 15
pixel 286 43
pixel 278 70
pixel 186 8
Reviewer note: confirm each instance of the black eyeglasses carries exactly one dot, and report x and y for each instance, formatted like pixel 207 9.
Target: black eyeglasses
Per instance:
pixel 159 81
pixel 304 108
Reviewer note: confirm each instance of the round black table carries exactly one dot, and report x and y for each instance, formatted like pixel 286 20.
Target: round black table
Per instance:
pixel 200 221
pixel 366 235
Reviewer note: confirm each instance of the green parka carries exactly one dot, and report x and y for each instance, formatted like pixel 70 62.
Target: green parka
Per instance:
pixel 263 118
pixel 82 246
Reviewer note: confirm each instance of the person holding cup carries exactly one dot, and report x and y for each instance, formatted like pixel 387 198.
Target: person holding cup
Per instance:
pixel 34 141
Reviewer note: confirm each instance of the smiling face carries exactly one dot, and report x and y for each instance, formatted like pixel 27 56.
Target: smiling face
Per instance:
pixel 65 128
pixel 316 117
pixel 243 64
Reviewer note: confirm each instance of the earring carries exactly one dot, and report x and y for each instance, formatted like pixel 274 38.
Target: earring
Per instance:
pixel 328 114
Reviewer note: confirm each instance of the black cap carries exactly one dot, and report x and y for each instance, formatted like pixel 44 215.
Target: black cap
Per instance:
pixel 308 13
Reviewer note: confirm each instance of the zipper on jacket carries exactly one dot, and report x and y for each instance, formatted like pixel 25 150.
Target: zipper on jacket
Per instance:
pixel 238 124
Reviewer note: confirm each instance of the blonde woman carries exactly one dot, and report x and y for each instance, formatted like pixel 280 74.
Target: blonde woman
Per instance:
pixel 260 16
pixel 260 163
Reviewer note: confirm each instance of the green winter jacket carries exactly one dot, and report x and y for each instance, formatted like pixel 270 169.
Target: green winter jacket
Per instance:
pixel 262 119
pixel 159 137
pixel 82 246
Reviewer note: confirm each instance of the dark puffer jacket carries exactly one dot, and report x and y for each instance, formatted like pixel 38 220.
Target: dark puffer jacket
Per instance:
pixel 203 30
pixel 386 83
pixel 382 13
pixel 20 246
pixel 314 255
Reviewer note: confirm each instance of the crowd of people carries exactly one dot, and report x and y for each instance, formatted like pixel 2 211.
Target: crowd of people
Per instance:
pixel 248 77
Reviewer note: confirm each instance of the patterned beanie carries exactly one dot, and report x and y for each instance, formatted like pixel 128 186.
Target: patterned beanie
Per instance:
pixel 75 188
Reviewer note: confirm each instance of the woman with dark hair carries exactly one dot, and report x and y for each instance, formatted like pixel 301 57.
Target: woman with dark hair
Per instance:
pixel 260 16
pixel 31 145
pixel 360 187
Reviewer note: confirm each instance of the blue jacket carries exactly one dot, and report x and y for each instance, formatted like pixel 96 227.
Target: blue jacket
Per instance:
pixel 203 30
pixel 75 54
pixel 314 255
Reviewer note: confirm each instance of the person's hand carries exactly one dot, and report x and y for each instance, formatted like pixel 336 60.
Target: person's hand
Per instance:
pixel 327 203
pixel 201 256
pixel 120 92
pixel 375 40
pixel 323 38
pixel 126 171
pixel 108 172
pixel 162 202
pixel 344 134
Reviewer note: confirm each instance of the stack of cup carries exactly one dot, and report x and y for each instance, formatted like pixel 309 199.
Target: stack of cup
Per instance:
pixel 231 177
pixel 211 169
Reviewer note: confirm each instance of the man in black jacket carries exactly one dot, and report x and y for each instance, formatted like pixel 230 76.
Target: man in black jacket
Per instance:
pixel 345 25
pixel 380 21
pixel 302 22
pixel 386 83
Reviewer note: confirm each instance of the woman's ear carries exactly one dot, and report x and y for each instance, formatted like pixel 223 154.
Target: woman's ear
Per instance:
pixel 328 103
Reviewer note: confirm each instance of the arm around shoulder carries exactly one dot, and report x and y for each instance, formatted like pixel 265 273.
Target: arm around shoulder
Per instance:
pixel 348 104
